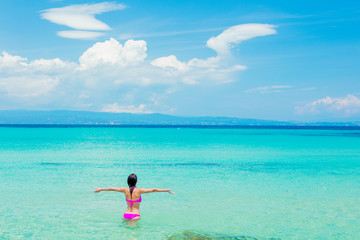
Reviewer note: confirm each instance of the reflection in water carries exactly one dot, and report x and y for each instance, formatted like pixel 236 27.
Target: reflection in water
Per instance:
pixel 131 223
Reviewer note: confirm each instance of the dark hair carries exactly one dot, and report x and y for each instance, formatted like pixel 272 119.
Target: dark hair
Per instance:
pixel 132 179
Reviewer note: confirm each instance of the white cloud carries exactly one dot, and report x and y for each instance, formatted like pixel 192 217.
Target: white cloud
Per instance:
pixel 10 61
pixel 21 78
pixel 27 87
pixel 104 72
pixel 111 52
pixel 81 17
pixel 50 65
pixel 236 34
pixel 197 70
pixel 11 65
pixel 211 62
pixel 348 105
pixel 115 108
pixel 170 62
pixel 79 34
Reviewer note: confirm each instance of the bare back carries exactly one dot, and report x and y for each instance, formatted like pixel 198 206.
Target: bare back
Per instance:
pixel 134 207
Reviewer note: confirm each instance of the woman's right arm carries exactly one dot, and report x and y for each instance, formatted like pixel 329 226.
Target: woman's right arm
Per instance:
pixel 110 189
pixel 151 190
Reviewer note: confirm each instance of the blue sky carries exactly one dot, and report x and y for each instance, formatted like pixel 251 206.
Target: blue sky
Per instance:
pixel 280 60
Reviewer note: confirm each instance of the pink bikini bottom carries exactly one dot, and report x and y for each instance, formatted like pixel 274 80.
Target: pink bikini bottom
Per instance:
pixel 130 215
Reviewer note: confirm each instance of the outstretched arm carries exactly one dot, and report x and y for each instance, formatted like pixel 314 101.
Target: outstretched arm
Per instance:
pixel 150 190
pixel 110 189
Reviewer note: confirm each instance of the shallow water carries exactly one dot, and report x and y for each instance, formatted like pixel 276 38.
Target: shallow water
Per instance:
pixel 255 183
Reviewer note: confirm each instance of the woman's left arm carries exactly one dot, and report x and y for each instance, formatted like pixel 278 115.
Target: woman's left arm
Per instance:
pixel 110 189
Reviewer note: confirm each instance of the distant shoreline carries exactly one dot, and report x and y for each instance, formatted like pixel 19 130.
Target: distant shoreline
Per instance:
pixel 63 118
pixel 294 127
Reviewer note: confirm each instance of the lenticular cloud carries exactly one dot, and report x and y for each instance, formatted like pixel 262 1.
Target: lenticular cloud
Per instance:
pixel 236 34
pixel 81 17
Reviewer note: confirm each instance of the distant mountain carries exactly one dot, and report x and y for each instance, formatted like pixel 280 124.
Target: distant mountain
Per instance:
pixel 102 118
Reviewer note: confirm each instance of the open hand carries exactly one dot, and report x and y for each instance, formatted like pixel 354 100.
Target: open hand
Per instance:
pixel 171 191
pixel 97 190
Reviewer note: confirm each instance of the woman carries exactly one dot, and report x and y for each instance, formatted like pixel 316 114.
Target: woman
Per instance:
pixel 133 196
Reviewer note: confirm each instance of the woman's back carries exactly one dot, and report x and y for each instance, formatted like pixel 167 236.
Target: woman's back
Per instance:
pixel 133 200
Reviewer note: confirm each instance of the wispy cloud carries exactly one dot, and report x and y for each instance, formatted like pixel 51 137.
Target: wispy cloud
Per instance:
pixel 322 21
pixel 277 89
pixel 273 16
pixel 79 34
pixel 349 105
pixel 269 89
pixel 166 34
pixel 116 108
pixel 81 16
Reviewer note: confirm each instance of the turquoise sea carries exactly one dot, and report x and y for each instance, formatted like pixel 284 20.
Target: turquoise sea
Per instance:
pixel 229 183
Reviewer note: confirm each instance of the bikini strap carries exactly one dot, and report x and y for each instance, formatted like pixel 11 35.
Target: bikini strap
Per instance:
pixel 132 201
